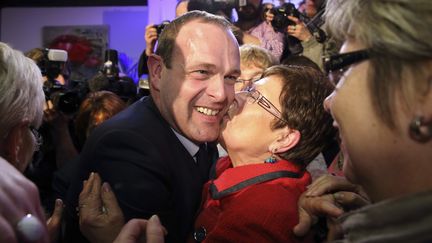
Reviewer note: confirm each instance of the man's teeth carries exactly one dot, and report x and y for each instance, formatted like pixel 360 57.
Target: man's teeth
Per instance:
pixel 207 111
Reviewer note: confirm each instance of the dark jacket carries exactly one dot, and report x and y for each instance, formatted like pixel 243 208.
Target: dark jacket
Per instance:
pixel 148 168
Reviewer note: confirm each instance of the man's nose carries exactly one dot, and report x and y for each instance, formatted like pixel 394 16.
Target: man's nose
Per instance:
pixel 216 89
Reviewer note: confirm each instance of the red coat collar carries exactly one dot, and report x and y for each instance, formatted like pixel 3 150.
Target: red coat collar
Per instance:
pixel 230 180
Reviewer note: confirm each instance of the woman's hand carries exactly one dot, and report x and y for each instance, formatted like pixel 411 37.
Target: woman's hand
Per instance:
pixel 134 230
pixel 18 198
pixel 328 196
pixel 100 217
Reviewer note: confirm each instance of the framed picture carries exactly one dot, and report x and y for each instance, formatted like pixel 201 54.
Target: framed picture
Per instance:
pixel 85 46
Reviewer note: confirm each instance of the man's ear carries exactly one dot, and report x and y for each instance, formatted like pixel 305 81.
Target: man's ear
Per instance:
pixel 286 139
pixel 154 64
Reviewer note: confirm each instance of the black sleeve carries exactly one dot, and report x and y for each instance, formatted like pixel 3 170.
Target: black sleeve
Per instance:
pixel 142 64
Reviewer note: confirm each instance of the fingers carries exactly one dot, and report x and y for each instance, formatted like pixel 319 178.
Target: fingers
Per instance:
pixel 56 217
pixel 305 223
pixel 110 203
pixel 54 222
pixel 150 36
pixel 294 19
pixel 350 200
pixel 328 184
pixel 90 203
pixel 310 208
pixel 7 233
pixel 132 231
pixel 155 232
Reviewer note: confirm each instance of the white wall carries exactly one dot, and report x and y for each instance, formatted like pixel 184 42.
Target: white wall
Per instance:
pixel 22 27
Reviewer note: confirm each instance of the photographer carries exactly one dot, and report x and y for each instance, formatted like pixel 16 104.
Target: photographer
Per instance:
pixel 58 146
pixel 304 35
pixel 152 32
pixel 270 39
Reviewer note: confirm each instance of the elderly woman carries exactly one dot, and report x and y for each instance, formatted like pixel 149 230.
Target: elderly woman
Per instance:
pixel 382 107
pixel 21 110
pixel 21 107
pixel 271 132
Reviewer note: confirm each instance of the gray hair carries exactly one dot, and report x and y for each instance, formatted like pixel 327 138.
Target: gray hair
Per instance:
pixel 398 35
pixel 21 93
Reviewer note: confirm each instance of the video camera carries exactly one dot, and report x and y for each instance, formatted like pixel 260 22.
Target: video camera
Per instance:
pixel 124 87
pixel 64 99
pixel 280 21
pixel 216 6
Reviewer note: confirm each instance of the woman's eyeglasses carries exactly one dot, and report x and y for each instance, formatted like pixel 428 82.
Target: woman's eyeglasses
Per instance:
pixel 336 65
pixel 254 96
pixel 37 136
pixel 247 82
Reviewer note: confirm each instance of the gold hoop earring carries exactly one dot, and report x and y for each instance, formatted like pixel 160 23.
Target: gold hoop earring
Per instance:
pixel 420 130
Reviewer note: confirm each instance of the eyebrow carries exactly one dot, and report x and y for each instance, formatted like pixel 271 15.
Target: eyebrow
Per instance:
pixel 213 67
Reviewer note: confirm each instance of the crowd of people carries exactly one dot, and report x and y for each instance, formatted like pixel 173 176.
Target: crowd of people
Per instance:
pixel 236 140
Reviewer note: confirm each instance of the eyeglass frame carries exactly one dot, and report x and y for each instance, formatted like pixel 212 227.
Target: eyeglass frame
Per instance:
pixel 262 101
pixel 340 63
pixel 251 80
pixel 37 136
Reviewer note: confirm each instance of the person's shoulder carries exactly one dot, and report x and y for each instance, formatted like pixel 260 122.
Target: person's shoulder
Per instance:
pixel 142 117
pixel 271 194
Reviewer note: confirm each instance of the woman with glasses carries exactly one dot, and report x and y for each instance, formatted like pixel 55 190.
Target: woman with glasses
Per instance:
pixel 382 106
pixel 21 111
pixel 271 133
pixel 253 61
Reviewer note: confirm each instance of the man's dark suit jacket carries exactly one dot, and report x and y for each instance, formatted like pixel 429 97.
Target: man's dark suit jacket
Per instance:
pixel 148 168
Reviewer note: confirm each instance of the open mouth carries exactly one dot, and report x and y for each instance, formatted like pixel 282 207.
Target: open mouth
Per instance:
pixel 207 111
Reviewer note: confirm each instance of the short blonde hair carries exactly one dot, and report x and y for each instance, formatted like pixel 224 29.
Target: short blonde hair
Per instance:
pixel 255 55
pixel 399 41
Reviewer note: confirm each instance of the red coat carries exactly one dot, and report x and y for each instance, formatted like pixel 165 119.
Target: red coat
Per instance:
pixel 251 203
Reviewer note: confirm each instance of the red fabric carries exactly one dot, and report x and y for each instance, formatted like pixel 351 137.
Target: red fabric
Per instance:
pixel 262 212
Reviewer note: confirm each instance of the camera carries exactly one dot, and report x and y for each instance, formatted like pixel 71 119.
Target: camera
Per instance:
pixel 216 6
pixel 161 26
pixel 64 98
pixel 280 21
pixel 110 80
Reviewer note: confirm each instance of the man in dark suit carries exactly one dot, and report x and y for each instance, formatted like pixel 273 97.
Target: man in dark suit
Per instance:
pixel 147 152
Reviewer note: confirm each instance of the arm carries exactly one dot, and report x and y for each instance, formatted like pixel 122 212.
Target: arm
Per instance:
pixel 312 49
pixel 59 130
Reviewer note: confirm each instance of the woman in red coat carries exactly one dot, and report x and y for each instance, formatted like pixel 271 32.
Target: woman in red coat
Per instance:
pixel 271 132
